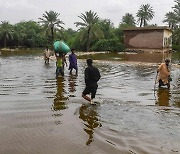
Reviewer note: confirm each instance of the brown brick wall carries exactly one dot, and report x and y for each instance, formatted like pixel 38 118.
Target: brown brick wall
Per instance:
pixel 143 39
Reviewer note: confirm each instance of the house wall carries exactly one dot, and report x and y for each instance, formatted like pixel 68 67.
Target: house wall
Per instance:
pixel 167 39
pixel 144 39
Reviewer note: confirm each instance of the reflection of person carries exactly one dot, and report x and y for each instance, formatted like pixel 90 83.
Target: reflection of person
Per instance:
pixel 73 61
pixel 72 83
pixel 89 116
pixel 164 74
pixel 59 100
pixel 92 76
pixel 163 97
pixel 46 55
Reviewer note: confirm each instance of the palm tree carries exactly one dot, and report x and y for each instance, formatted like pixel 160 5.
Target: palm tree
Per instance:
pixel 89 27
pixel 6 32
pixel 128 19
pixel 176 37
pixel 170 18
pixel 145 14
pixel 177 10
pixel 50 21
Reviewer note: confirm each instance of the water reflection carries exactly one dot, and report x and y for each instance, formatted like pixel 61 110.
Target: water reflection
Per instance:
pixel 163 97
pixel 131 57
pixel 60 98
pixel 72 84
pixel 89 116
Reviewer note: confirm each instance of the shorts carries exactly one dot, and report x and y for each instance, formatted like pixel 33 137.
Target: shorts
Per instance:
pixel 90 90
pixel 59 70
pixel 161 83
pixel 73 66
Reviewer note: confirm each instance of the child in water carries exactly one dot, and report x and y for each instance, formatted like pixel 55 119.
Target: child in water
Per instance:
pixel 60 60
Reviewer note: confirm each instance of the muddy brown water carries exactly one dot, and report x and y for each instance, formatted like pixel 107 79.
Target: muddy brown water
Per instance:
pixel 39 114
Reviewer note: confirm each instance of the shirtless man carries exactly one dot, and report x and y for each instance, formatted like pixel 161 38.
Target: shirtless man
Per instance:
pixel 164 74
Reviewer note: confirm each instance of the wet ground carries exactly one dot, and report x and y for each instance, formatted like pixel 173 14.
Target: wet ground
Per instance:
pixel 39 114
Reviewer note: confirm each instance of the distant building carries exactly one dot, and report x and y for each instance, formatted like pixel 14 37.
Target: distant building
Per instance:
pixel 153 39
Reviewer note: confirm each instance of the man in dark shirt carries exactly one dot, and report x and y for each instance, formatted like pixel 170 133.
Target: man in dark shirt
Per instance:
pixel 92 76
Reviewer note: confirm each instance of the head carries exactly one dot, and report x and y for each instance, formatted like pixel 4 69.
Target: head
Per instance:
pixel 73 50
pixel 89 61
pixel 167 61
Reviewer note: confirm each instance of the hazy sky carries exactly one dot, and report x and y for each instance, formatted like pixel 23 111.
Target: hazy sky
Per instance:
pixel 15 11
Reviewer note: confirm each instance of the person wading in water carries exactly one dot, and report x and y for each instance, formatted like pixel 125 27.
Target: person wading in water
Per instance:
pixel 164 74
pixel 92 76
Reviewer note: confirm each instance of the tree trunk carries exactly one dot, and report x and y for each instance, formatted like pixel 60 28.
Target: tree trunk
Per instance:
pixel 88 40
pixel 5 42
pixel 52 33
pixel 141 23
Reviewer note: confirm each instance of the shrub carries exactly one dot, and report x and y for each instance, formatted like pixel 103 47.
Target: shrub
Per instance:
pixel 108 45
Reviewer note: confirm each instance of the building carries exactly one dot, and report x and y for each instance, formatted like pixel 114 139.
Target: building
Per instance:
pixel 153 39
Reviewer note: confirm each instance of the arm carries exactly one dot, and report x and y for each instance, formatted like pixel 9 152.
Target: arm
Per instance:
pixel 159 68
pixel 64 59
pixel 86 76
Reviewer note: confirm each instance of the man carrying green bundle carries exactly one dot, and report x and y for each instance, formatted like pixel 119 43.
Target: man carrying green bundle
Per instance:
pixel 61 49
pixel 60 60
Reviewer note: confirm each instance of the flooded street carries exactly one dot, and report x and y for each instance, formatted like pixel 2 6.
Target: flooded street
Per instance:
pixel 39 114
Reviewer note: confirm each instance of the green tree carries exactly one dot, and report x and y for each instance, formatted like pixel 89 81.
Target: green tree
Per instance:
pixel 107 28
pixel 177 10
pixel 51 22
pixel 176 37
pixel 108 45
pixel 89 27
pixel 145 14
pixel 6 32
pixel 170 18
pixel 128 19
pixel 29 34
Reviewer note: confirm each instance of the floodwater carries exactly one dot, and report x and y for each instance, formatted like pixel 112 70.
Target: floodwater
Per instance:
pixel 42 115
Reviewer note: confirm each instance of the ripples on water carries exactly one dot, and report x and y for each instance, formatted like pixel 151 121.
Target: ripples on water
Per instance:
pixel 35 107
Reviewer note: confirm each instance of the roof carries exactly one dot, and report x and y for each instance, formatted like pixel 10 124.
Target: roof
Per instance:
pixel 148 28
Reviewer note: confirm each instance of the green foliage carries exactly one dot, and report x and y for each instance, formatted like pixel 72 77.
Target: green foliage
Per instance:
pixel 89 28
pixel 65 35
pixel 176 37
pixel 128 19
pixel 6 32
pixel 145 14
pixel 108 45
pixel 170 18
pixel 29 34
pixel 176 47
pixel 176 9
pixel 107 28
pixel 51 23
pixel 76 43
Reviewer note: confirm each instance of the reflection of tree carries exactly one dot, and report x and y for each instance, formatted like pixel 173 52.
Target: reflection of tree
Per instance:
pixel 89 115
pixel 163 96
pixel 59 101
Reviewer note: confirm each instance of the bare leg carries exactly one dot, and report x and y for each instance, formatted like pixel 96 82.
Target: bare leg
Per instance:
pixel 86 97
pixel 76 71
pixel 70 71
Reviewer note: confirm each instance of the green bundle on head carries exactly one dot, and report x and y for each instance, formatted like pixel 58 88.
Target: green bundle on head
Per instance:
pixel 61 47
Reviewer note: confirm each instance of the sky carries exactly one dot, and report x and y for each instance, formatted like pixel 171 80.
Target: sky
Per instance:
pixel 16 11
